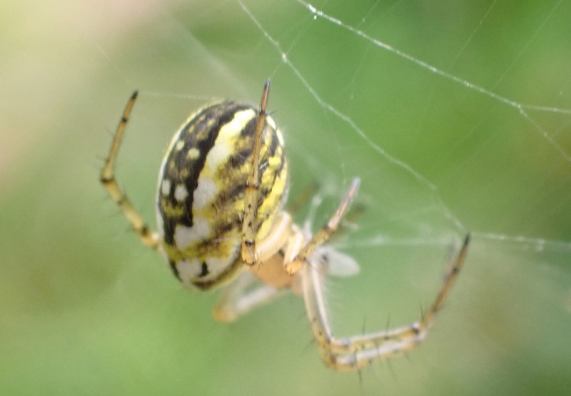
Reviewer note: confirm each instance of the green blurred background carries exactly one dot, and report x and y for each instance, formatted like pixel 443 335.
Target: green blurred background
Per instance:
pixel 85 309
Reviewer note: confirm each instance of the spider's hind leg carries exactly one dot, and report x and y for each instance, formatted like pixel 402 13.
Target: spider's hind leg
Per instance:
pixel 240 298
pixel 109 182
pixel 356 352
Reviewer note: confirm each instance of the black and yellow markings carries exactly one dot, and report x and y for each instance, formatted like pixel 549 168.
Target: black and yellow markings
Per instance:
pixel 184 164
pixel 230 199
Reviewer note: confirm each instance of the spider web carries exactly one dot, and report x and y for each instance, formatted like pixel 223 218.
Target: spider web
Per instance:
pixel 284 63
pixel 445 141
pixel 522 108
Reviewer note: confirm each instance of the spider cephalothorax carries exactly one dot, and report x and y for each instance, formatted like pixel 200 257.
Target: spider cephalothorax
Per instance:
pixel 221 218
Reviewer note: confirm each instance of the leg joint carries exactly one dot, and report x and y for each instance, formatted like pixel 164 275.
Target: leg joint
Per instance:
pixel 105 180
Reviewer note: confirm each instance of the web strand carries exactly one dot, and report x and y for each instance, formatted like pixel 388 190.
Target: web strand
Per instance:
pixel 352 124
pixel 521 108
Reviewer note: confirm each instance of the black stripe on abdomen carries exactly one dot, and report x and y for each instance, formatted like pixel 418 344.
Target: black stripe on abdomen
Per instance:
pixel 196 134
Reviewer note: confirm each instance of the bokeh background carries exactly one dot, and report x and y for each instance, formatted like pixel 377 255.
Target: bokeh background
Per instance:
pixel 85 309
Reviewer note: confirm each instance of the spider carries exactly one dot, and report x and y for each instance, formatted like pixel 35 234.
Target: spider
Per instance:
pixel 221 221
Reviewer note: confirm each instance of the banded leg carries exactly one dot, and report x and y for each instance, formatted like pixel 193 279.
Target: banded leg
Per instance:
pixel 325 232
pixel 107 178
pixel 252 193
pixel 356 352
pixel 237 300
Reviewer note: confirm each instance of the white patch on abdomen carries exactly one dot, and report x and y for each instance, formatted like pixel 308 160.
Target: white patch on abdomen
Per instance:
pixel 160 224
pixel 180 193
pixel 207 189
pixel 280 137
pixel 185 236
pixel 165 186
pixel 190 269
pixel 222 148
pixel 204 193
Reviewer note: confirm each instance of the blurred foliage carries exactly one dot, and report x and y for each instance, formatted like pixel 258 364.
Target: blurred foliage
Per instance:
pixel 85 309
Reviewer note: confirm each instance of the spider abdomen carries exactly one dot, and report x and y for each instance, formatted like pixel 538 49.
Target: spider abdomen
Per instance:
pixel 200 197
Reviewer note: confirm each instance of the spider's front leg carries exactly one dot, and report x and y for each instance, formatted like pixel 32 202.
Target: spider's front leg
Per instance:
pixel 109 182
pixel 293 266
pixel 252 193
pixel 356 352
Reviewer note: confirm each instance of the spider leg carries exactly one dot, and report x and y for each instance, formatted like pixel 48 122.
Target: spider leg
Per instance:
pixel 325 232
pixel 107 179
pixel 303 198
pixel 356 352
pixel 277 237
pixel 238 299
pixel 251 195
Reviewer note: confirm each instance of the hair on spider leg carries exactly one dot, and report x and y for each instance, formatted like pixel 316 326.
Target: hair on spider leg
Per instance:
pixel 100 161
pixel 328 283
pixel 112 214
pixel 364 325
pixel 422 313
pixel 348 222
pixel 388 325
pixel 303 197
pixel 309 344
pixel 271 113
pixel 407 357
pixel 127 230
pixel 110 132
pixel 360 376
pixel 359 372
pixel 302 317
pixel 373 367
pixel 391 368
pixel 356 210
pixel 105 198
pixel 454 247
